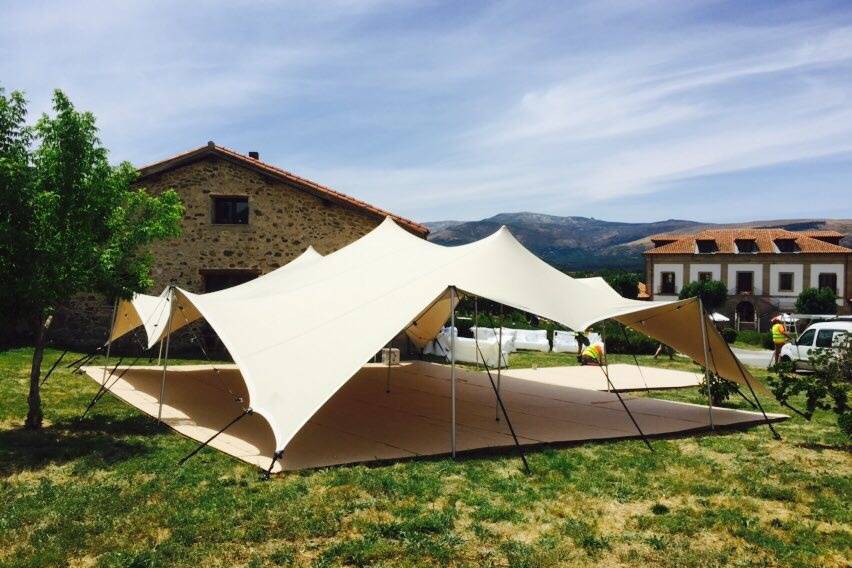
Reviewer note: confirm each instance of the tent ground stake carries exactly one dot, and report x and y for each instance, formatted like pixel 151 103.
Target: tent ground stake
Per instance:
pixel 53 367
pixel 275 457
pixel 245 413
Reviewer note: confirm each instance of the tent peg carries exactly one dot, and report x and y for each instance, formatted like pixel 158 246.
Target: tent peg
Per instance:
pixel 275 457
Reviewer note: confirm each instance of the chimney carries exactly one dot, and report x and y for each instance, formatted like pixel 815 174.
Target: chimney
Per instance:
pixel 254 155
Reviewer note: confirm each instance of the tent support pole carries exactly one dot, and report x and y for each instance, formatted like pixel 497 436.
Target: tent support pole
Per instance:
pixel 476 328
pixel 246 412
pixel 53 367
pixel 502 407
pixel 635 359
pixel 109 337
pixel 166 360
pixel 160 352
pixel 621 400
pixel 499 364
pixel 453 370
pixel 387 382
pixel 775 434
pixel 708 380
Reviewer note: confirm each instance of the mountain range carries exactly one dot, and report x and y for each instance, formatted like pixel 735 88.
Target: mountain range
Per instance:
pixel 584 243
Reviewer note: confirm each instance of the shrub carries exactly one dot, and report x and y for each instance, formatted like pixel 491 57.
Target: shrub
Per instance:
pixel 713 293
pixel 721 390
pixel 730 334
pixel 827 388
pixel 813 301
pixel 756 338
pixel 635 344
pixel 625 283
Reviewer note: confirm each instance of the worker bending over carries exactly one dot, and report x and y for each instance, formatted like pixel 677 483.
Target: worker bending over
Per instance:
pixel 779 338
pixel 594 354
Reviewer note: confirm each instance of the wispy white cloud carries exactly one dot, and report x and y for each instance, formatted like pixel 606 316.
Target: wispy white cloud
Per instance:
pixel 440 109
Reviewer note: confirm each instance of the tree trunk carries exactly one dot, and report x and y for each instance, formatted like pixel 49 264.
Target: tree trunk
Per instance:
pixel 34 415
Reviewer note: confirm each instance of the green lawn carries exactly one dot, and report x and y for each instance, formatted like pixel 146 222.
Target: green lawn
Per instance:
pixel 106 491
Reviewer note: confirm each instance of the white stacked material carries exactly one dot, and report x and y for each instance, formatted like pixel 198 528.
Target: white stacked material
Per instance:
pixel 532 339
pixel 467 351
pixel 508 339
pixel 565 342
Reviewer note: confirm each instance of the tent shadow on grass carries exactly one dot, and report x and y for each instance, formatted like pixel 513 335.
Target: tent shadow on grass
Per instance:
pixel 33 450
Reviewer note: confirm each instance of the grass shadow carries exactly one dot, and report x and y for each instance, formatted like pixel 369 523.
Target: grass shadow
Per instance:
pixel 32 450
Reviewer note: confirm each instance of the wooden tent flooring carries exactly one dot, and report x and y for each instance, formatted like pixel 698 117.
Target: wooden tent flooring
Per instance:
pixel 363 423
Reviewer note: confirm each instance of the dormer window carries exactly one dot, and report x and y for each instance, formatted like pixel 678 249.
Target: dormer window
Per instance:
pixel 787 245
pixel 706 246
pixel 746 246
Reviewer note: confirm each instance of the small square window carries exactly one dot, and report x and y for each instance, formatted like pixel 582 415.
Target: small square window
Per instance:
pixel 230 210
pixel 785 282
pixel 705 276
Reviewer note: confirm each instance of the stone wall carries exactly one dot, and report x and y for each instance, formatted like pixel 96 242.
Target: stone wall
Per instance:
pixel 283 222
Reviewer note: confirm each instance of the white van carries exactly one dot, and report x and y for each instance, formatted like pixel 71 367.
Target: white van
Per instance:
pixel 825 334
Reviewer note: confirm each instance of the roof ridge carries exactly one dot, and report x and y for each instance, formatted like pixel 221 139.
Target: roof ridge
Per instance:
pixel 686 243
pixel 330 192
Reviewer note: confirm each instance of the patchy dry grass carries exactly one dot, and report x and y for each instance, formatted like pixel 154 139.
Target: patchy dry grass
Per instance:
pixel 106 491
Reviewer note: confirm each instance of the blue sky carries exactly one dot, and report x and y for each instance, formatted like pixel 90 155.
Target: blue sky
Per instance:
pixel 459 110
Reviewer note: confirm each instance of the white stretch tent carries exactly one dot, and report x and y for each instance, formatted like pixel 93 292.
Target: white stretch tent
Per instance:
pixel 359 297
pixel 152 312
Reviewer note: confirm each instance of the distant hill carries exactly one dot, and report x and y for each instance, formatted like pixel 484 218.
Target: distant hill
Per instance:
pixel 583 243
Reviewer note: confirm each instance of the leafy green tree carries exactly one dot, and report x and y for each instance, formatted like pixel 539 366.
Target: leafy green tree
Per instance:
pixel 827 388
pixel 71 223
pixel 816 301
pixel 713 293
pixel 625 283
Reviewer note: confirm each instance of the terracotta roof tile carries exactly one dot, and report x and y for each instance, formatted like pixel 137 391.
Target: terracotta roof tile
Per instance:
pixel 321 190
pixel 764 239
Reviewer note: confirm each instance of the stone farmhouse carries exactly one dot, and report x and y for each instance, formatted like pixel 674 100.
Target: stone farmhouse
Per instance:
pixel 764 269
pixel 243 218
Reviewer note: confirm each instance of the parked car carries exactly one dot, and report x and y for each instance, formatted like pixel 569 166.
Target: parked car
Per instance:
pixel 825 335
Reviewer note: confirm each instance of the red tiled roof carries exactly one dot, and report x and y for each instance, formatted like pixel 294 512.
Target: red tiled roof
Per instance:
pixel 303 183
pixel 763 238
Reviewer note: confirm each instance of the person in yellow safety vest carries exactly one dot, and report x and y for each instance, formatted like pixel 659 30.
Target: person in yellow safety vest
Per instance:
pixel 593 355
pixel 779 338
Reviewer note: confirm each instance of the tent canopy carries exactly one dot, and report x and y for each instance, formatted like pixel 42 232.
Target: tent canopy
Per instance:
pixel 152 312
pixel 359 297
